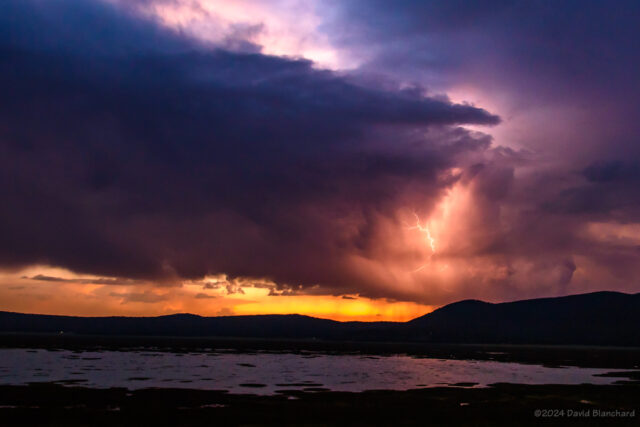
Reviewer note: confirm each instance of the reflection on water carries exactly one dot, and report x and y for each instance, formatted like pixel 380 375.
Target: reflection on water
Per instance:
pixel 265 372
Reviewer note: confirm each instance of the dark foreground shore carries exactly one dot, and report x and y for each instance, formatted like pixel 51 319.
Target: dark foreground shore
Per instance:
pixel 502 404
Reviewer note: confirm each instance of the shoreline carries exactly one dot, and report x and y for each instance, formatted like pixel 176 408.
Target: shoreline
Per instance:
pixel 500 404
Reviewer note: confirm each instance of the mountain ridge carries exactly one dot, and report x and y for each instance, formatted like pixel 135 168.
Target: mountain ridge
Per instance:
pixel 583 319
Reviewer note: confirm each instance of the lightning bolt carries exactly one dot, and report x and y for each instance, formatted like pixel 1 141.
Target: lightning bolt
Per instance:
pixel 424 229
pixel 427 233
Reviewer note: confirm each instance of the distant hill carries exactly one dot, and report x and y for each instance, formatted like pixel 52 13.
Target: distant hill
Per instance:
pixel 601 318
pixel 289 326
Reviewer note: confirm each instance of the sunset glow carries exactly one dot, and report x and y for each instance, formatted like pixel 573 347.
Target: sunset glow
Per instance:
pixel 42 289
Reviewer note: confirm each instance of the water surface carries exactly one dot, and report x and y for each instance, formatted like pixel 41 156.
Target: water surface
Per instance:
pixel 268 372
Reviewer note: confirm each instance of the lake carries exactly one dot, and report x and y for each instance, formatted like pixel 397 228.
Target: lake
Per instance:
pixel 269 372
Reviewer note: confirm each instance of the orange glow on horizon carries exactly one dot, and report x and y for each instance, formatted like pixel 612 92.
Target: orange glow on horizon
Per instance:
pixel 47 290
pixel 338 308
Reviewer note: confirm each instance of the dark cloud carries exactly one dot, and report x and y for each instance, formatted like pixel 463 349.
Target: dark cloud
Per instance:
pixel 608 191
pixel 563 75
pixel 128 151
pixel 44 278
pixel 612 171
pixel 202 295
pixel 86 281
pixel 90 29
pixel 563 71
pixel 557 47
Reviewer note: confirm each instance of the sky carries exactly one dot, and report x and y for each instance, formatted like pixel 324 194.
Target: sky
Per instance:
pixel 353 160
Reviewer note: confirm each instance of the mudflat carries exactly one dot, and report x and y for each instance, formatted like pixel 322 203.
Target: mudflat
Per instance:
pixel 501 404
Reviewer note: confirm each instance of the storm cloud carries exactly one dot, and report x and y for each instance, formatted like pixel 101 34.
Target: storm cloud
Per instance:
pixel 134 149
pixel 562 77
pixel 131 151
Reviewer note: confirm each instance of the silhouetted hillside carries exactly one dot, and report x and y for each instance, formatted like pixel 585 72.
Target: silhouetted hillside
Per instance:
pixel 601 318
pixel 189 325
